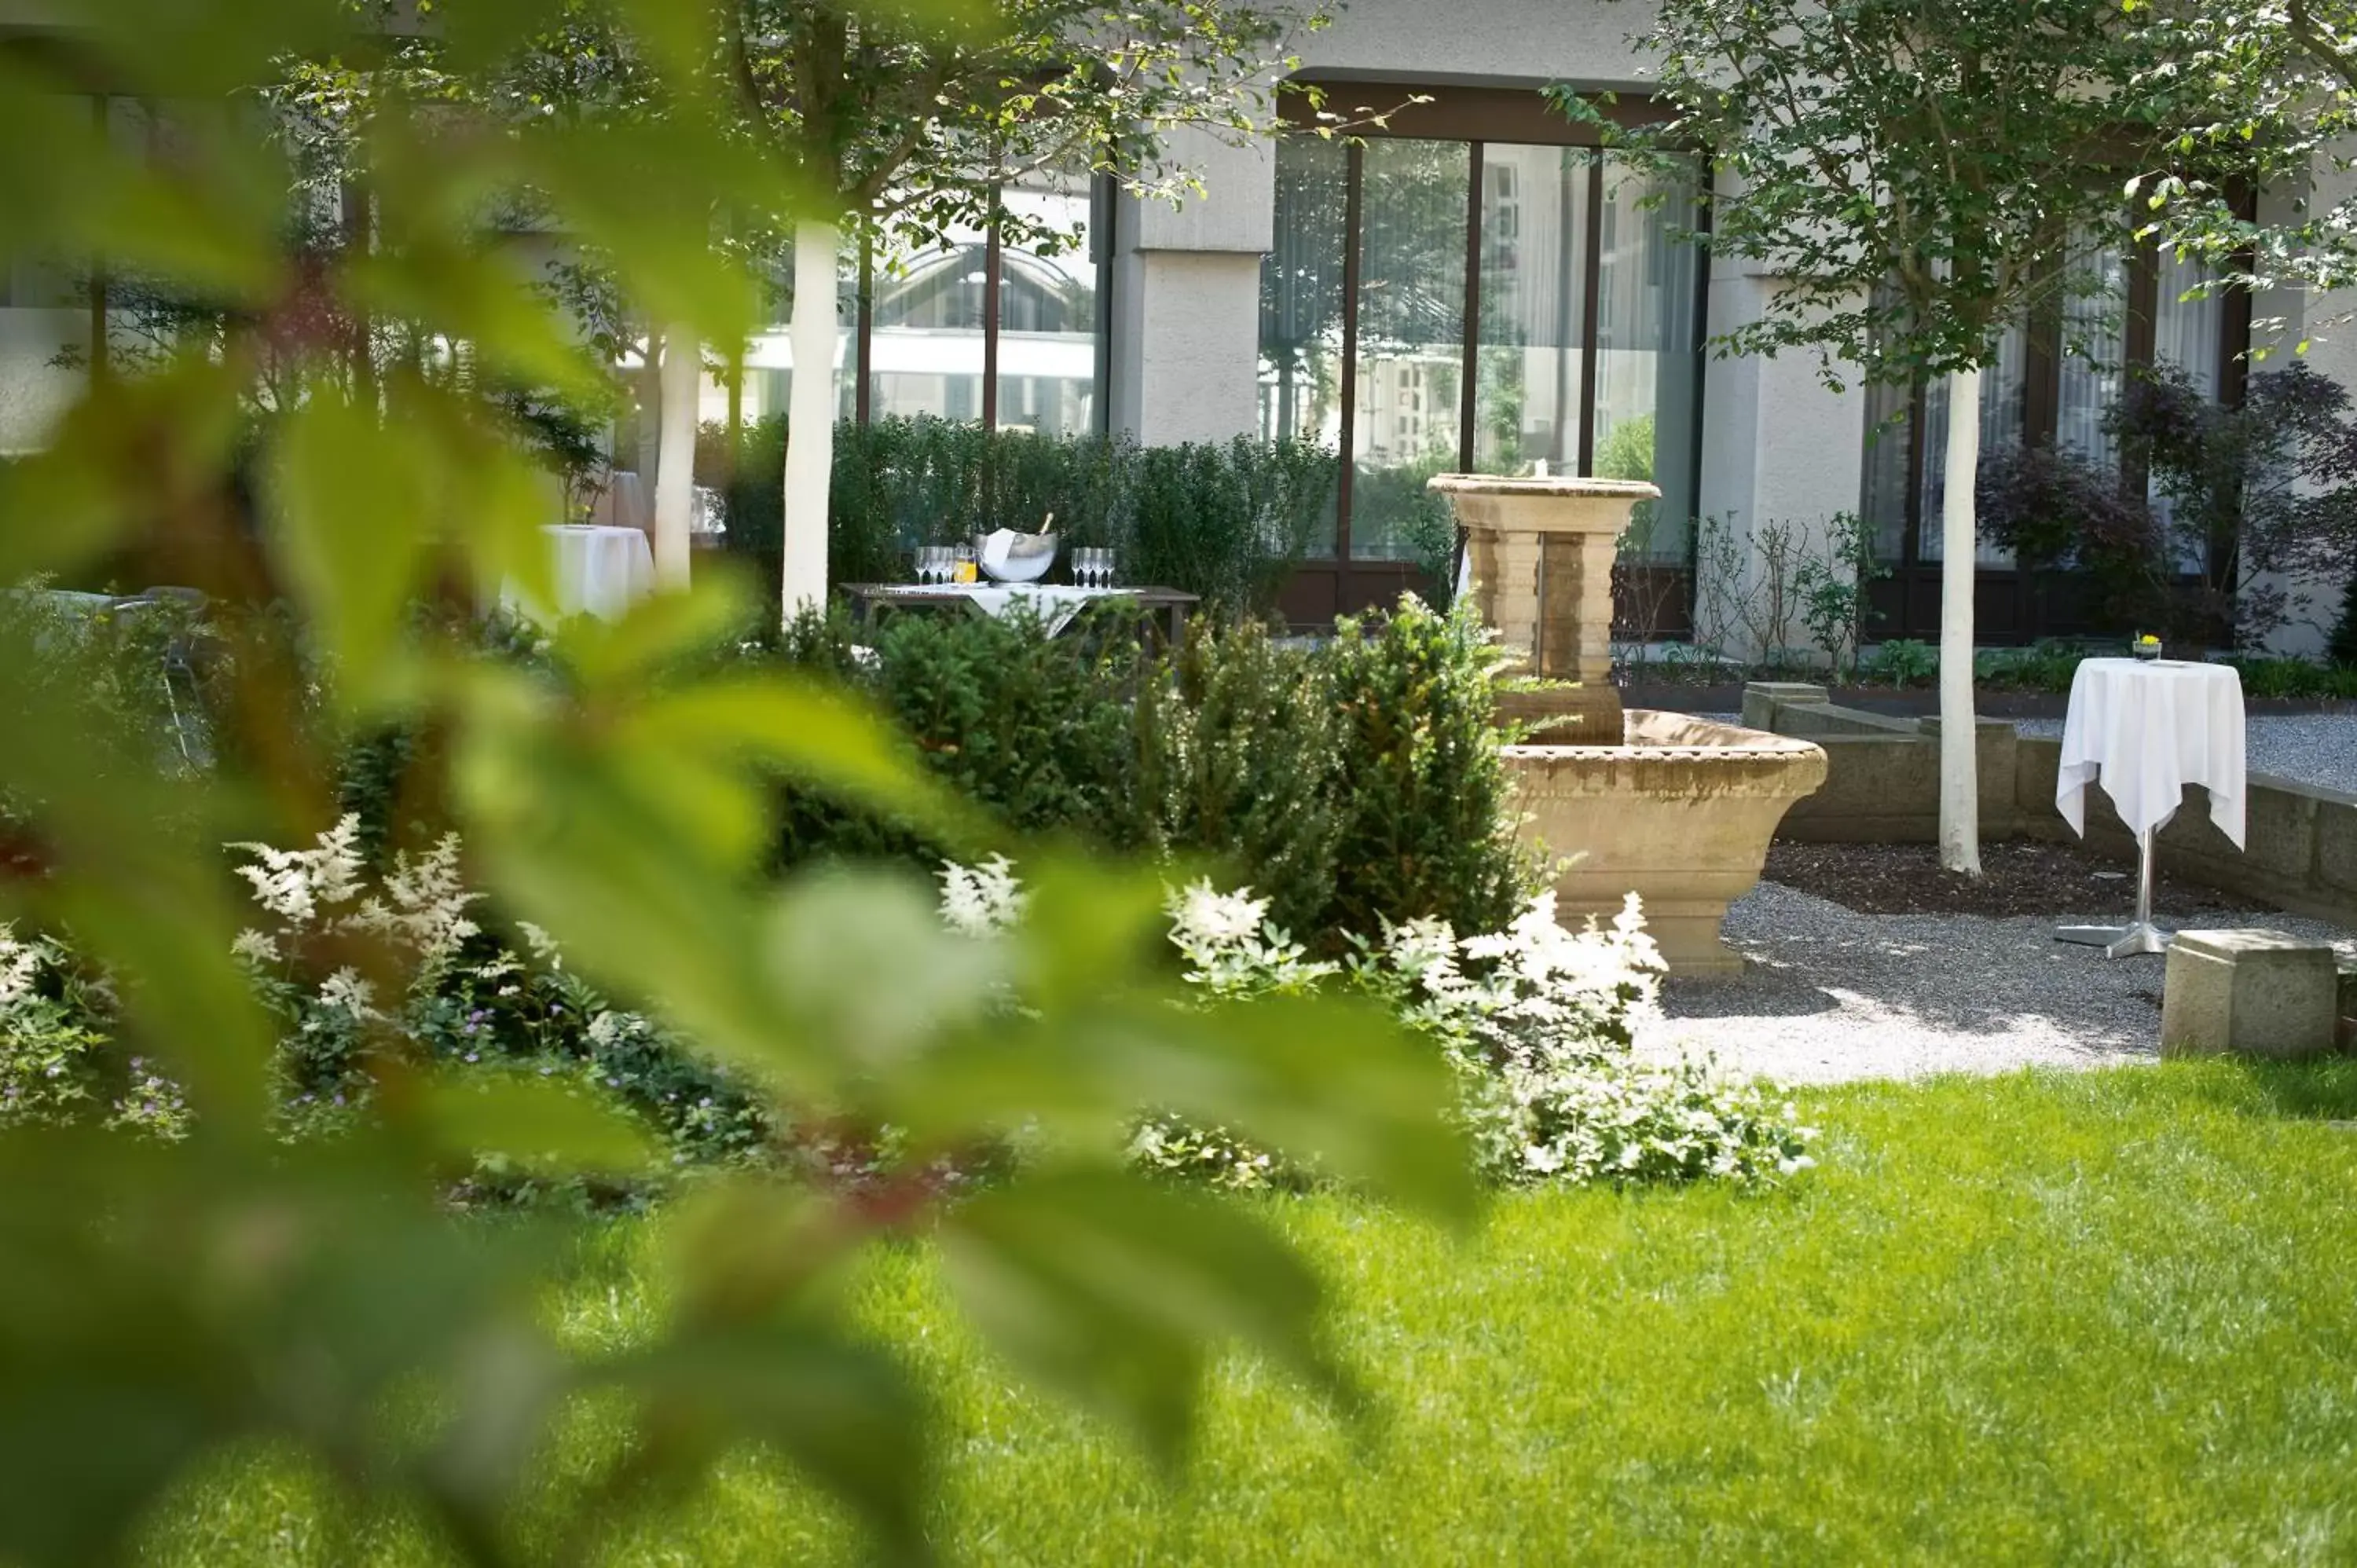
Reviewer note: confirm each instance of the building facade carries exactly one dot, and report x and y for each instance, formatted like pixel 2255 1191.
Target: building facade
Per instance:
pixel 1472 284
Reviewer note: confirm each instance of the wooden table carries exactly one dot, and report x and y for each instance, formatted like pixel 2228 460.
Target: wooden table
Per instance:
pixel 1169 604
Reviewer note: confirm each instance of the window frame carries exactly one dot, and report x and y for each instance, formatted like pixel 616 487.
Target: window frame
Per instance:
pixel 1472 118
pixel 1103 211
pixel 2045 354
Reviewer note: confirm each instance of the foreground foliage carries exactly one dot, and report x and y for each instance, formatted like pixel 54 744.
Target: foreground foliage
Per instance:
pixel 173 1300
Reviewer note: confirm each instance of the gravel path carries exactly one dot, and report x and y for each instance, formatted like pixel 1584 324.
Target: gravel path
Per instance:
pixel 2314 749
pixel 1833 995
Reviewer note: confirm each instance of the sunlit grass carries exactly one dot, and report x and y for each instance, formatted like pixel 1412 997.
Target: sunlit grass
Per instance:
pixel 2103 1318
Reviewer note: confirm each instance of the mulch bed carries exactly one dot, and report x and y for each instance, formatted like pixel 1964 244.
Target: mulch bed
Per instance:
pixel 2017 877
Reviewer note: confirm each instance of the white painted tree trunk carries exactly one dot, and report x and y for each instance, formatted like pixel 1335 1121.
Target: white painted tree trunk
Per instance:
pixel 1960 819
pixel 809 416
pixel 650 457
pixel 674 492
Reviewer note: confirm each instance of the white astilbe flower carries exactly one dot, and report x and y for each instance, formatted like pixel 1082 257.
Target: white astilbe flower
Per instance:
pixel 20 966
pixel 345 992
pixel 256 948
pixel 1230 948
pixel 424 904
pixel 543 946
pixel 607 1028
pixel 297 884
pixel 981 900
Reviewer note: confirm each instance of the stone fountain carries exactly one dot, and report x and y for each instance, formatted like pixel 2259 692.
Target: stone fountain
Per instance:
pixel 1676 809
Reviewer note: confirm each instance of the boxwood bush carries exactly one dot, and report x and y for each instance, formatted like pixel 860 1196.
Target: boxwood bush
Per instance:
pixel 1229 522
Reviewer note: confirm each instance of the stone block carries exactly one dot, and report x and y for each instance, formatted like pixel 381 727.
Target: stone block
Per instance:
pixel 2346 1036
pixel 1761 699
pixel 1561 714
pixel 2249 991
pixel 2279 828
pixel 2336 845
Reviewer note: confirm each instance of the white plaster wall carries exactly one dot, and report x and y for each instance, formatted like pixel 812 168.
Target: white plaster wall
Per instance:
pixel 1501 43
pixel 1186 336
pixel 34 394
pixel 1778 445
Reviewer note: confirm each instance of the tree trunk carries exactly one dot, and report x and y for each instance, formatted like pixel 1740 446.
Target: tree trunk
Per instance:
pixel 1960 824
pixel 810 417
pixel 649 464
pixel 674 491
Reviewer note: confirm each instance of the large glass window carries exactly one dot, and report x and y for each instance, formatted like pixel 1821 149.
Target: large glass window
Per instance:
pixel 1301 300
pixel 2053 384
pixel 1048 295
pixel 1573 346
pixel 964 329
pixel 1410 362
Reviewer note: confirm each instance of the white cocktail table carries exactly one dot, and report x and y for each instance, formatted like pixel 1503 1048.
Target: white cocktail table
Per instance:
pixel 2145 729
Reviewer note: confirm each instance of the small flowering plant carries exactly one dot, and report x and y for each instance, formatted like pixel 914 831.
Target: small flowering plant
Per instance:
pixel 55 1063
pixel 1537 1020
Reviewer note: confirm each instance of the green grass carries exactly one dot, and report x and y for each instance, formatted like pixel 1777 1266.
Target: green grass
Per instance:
pixel 2094 1319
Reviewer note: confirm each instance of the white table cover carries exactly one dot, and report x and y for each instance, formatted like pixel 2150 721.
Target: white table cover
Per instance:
pixel 601 571
pixel 2147 729
pixel 1054 604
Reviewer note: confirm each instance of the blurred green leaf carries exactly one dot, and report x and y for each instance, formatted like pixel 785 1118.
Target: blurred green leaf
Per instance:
pixel 1114 1292
pixel 355 497
pixel 535 1122
pixel 920 981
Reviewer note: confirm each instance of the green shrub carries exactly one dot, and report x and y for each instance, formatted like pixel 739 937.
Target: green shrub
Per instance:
pixel 1229 522
pixel 1424 791
pixel 2302 679
pixel 1902 661
pixel 2343 649
pixel 1245 750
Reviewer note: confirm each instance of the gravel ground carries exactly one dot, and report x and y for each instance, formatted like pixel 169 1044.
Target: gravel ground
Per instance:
pixel 2314 749
pixel 1834 996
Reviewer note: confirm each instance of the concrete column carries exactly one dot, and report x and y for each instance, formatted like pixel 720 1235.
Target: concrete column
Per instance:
pixel 1186 317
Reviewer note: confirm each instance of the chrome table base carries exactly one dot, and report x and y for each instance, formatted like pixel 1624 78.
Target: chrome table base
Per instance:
pixel 2139 936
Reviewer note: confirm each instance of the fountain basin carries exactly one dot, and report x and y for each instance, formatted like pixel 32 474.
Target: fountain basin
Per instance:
pixel 1680 813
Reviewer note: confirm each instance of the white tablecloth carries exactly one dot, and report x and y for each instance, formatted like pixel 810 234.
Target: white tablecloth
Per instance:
pixel 1054 604
pixel 2147 729
pixel 601 571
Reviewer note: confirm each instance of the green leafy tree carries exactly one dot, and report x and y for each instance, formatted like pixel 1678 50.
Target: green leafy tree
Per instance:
pixel 913 128
pixel 2259 94
pixel 1916 176
pixel 170 1301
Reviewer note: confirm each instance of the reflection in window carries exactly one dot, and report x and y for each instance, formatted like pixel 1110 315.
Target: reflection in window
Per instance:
pixel 1047 314
pixel 1555 232
pixel 1527 407
pixel 2005 383
pixel 1647 333
pixel 1301 301
pixel 925 328
pixel 1411 369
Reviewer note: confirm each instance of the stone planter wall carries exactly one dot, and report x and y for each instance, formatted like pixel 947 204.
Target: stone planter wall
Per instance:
pixel 1882 786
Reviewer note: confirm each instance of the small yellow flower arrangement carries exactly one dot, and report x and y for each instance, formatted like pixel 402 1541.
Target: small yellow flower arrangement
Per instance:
pixel 2147 646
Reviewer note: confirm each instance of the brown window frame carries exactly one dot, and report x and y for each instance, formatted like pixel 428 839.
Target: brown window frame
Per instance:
pixel 1472 117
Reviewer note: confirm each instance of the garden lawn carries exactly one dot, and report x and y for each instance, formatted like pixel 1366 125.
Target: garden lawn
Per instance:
pixel 2103 1317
